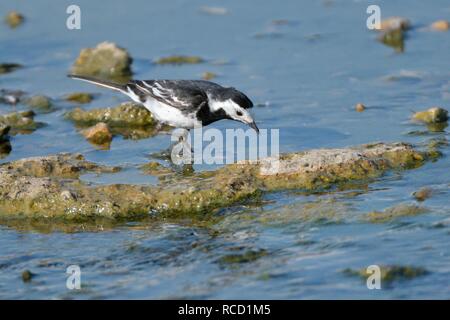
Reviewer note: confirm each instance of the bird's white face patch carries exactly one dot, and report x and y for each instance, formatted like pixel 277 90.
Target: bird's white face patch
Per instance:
pixel 232 109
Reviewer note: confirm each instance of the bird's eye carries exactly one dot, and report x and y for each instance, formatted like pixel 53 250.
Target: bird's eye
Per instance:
pixel 239 113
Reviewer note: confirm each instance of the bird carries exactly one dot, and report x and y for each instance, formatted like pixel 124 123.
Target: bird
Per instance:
pixel 185 104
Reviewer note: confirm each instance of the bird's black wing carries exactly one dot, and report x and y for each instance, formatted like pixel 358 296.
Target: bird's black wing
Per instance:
pixel 186 95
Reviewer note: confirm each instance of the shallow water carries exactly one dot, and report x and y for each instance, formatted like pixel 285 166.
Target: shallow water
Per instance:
pixel 306 76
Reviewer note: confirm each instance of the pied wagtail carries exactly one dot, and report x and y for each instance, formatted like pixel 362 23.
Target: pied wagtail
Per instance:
pixel 185 103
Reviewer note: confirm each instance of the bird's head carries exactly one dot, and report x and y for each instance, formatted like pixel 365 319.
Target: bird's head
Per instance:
pixel 235 106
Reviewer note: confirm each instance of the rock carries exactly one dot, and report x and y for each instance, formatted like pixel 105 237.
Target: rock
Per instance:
pixel 14 19
pixel 395 212
pixel 440 25
pixel 32 187
pixel 208 75
pixel 391 273
pixel 20 122
pixel 27 275
pixel 39 102
pixel 98 134
pixel 80 97
pixel 423 194
pixel 9 67
pixel 179 60
pixel 393 23
pixel 360 107
pixel 393 38
pixel 106 60
pixel 5 144
pixel 217 11
pixel 432 115
pixel 128 119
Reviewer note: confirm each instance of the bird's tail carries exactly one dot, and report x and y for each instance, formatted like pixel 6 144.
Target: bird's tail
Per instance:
pixel 100 82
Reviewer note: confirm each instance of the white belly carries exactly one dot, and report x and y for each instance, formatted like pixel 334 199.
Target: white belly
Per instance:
pixel 170 115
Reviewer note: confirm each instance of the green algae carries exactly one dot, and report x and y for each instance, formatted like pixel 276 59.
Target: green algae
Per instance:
pixel 395 212
pixel 247 256
pixel 179 59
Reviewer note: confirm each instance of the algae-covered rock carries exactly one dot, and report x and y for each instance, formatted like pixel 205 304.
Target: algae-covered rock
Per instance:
pixel 14 19
pixel 392 23
pixel 80 97
pixel 395 212
pixel 39 102
pixel 432 115
pixel 176 59
pixel 27 275
pixel 9 67
pixel 128 119
pixel 440 25
pixel 391 273
pixel 394 38
pixel 34 187
pixel 106 60
pixel 126 114
pixel 20 122
pixel 242 257
pixel 98 134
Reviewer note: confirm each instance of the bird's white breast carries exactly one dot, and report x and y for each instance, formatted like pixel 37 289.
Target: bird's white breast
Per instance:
pixel 170 115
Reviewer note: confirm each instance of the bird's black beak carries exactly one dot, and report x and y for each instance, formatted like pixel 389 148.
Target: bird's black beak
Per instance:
pixel 254 127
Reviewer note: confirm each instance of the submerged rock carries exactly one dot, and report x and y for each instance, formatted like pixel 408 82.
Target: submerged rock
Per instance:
pixel 9 67
pixel 33 187
pixel 14 19
pixel 20 122
pixel 27 275
pixel 179 60
pixel 39 102
pixel 80 97
pixel 432 115
pixel 128 119
pixel 106 60
pixel 99 134
pixel 398 211
pixel 394 38
pixel 391 273
pixel 440 25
